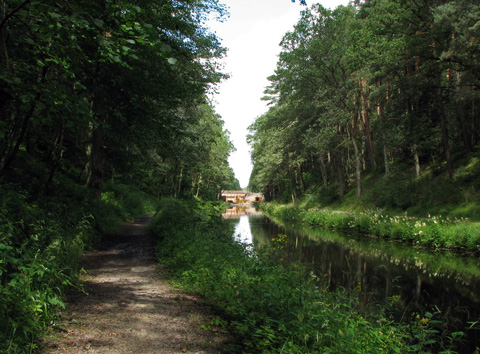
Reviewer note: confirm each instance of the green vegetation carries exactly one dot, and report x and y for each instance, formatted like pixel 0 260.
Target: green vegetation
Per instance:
pixel 112 92
pixel 41 242
pixel 373 118
pixel 458 234
pixel 103 104
pixel 375 105
pixel 273 307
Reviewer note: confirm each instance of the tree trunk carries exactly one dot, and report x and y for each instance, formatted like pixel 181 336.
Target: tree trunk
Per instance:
pixel 323 170
pixel 474 120
pixel 358 168
pixel 358 161
pixel 19 129
pixel 385 156
pixel 443 121
pixel 384 135
pixel 441 113
pixel 293 185
pixel 56 155
pixel 365 119
pixel 341 177
pixel 416 158
pixel 3 41
pixel 466 135
pixel 198 185
pixel 173 188
pixel 97 161
pixel 179 184
pixel 300 179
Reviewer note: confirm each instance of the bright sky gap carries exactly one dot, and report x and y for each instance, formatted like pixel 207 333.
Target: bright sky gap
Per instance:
pixel 252 35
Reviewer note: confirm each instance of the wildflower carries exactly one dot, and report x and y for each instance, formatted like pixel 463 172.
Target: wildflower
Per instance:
pixel 396 298
pixel 424 321
pixel 359 287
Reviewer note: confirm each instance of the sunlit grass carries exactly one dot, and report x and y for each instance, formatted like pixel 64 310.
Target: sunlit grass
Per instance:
pixel 272 306
pixel 432 231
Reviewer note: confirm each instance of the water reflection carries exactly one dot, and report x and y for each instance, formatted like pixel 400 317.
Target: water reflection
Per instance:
pixel 241 210
pixel 417 279
pixel 244 217
pixel 242 231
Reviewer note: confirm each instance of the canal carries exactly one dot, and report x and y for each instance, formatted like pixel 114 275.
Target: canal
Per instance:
pixel 414 280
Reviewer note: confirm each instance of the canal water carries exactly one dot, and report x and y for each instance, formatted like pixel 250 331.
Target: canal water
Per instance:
pixel 415 280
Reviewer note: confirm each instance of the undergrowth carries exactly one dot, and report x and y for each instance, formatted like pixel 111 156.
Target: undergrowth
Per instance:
pixel 432 231
pixel 42 236
pixel 273 307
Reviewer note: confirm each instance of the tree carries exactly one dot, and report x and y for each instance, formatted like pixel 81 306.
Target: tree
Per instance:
pixel 374 83
pixel 93 86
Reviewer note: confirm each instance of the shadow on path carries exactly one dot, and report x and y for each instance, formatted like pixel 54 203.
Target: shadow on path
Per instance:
pixel 128 307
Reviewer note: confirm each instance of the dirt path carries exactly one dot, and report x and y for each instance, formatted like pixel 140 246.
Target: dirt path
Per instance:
pixel 130 308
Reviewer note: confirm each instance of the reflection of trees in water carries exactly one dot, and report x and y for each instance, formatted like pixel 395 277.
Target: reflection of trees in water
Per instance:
pixel 241 210
pixel 377 270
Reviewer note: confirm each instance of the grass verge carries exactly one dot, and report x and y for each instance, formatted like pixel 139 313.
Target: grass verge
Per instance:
pixel 456 234
pixel 272 307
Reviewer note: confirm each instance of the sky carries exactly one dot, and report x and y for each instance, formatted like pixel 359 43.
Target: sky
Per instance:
pixel 252 35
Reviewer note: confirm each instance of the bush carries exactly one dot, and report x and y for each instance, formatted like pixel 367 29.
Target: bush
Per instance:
pixel 42 238
pixel 272 307
pixel 39 253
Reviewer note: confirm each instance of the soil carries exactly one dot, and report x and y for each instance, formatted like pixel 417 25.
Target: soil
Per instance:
pixel 129 306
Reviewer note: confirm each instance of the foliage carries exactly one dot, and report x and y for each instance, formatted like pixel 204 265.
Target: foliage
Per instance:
pixel 272 307
pixel 437 232
pixel 41 242
pixel 102 105
pixel 375 87
pixel 114 91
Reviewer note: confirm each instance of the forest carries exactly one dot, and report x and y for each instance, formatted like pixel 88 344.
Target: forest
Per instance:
pixel 104 107
pixel 382 92
pixel 107 90
pixel 105 110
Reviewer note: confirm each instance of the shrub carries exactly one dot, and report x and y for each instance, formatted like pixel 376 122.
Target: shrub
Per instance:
pixel 38 260
pixel 42 238
pixel 272 307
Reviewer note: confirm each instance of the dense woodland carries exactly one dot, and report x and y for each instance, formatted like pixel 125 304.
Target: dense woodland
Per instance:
pixel 107 90
pixel 103 104
pixel 379 87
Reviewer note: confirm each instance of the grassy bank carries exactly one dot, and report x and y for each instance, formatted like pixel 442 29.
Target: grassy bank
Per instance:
pixel 42 236
pixel 457 234
pixel 272 307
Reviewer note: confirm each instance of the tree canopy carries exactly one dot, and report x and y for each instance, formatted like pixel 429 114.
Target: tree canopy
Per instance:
pixel 368 87
pixel 108 90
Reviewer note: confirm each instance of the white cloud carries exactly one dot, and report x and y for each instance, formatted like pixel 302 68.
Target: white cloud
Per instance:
pixel 252 34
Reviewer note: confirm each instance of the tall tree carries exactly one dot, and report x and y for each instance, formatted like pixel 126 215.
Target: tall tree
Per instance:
pixel 377 81
pixel 92 86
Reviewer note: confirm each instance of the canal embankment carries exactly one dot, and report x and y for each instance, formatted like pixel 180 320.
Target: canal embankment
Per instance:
pixel 457 234
pixel 271 305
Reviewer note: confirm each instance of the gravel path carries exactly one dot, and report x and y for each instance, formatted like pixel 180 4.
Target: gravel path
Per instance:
pixel 130 308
